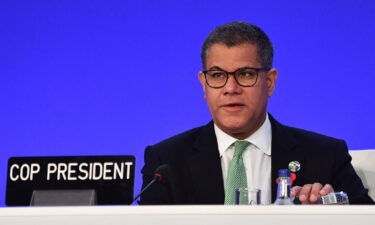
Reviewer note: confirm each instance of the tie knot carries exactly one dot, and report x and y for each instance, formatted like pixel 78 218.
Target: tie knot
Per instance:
pixel 239 147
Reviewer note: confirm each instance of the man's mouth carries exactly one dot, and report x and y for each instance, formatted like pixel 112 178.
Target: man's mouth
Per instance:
pixel 233 106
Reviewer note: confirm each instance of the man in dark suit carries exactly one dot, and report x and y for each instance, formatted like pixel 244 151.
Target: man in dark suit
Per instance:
pixel 201 160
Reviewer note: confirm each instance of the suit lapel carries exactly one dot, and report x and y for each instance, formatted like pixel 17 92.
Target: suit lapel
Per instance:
pixel 205 167
pixel 284 150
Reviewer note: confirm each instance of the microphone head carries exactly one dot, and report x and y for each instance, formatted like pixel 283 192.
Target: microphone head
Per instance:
pixel 162 172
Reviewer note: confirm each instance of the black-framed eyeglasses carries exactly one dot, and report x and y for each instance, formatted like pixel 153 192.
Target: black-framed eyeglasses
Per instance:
pixel 245 77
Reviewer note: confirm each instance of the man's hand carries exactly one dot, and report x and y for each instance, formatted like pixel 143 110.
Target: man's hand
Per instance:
pixel 310 193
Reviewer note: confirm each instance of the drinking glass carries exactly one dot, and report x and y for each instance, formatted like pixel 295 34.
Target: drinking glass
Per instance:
pixel 247 196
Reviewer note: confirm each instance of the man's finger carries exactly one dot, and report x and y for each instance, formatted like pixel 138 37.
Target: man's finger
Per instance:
pixel 315 190
pixel 295 191
pixel 326 190
pixel 305 193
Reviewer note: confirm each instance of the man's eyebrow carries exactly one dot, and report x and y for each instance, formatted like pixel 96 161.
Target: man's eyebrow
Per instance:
pixel 242 68
pixel 245 67
pixel 216 68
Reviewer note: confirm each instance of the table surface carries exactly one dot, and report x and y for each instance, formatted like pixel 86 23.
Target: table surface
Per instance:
pixel 207 215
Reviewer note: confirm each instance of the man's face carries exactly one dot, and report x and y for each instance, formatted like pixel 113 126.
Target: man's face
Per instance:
pixel 238 111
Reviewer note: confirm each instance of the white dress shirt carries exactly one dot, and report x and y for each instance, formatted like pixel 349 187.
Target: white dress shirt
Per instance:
pixel 256 158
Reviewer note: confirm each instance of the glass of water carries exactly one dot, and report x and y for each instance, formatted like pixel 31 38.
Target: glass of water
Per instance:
pixel 247 196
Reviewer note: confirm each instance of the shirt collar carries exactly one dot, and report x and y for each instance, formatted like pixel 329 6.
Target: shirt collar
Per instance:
pixel 261 138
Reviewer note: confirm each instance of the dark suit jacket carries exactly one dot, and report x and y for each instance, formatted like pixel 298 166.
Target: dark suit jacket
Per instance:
pixel 196 177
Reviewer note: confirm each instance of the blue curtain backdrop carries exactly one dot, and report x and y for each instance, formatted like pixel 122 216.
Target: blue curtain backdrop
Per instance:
pixel 111 77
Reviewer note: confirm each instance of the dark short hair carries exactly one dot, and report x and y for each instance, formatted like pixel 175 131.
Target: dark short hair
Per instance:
pixel 236 33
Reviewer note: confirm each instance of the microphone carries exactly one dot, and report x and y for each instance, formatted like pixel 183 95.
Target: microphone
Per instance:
pixel 160 175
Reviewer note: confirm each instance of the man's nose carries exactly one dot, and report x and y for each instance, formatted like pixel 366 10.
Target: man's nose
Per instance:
pixel 232 87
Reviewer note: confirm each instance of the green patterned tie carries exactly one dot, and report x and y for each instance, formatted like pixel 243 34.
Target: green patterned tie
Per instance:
pixel 236 172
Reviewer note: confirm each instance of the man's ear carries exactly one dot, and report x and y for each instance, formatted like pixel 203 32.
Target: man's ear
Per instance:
pixel 202 79
pixel 272 75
